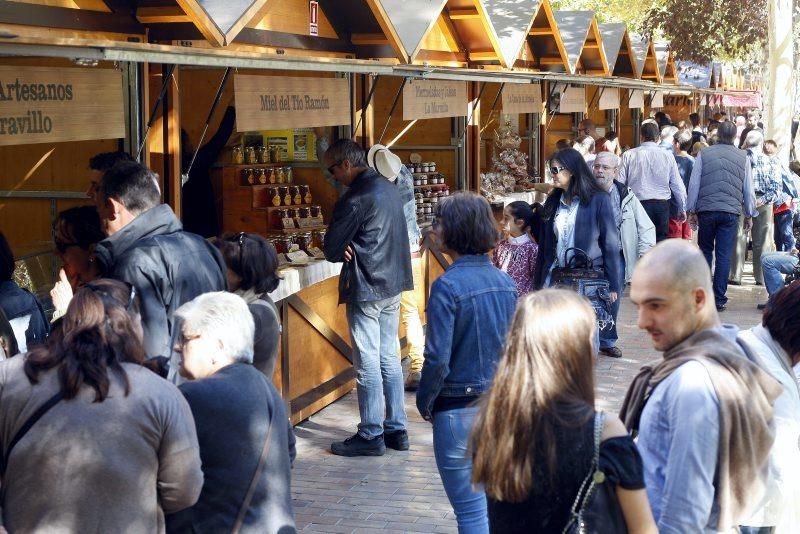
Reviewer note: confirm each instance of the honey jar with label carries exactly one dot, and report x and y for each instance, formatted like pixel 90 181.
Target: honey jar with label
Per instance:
pixel 294 191
pixel 262 154
pixel 272 177
pixel 250 155
pixel 274 196
pixel 247 176
pixel 289 177
pixel 305 192
pixel 286 200
pixel 281 176
pixel 237 156
pixel 304 212
pixel 304 241
pixel 260 176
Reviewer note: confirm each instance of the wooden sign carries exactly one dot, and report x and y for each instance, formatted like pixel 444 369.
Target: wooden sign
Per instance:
pixel 658 100
pixel 637 99
pixel 54 105
pixel 432 99
pixel 609 98
pixel 573 100
pixel 522 98
pixel 277 102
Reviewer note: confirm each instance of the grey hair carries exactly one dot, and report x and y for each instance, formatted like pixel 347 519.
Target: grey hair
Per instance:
pixel 225 317
pixel 754 139
pixel 610 156
pixel 346 149
pixel 668 132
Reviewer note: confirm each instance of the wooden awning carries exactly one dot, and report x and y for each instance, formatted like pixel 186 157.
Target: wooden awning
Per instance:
pixel 617 46
pixel 582 42
pixel 509 23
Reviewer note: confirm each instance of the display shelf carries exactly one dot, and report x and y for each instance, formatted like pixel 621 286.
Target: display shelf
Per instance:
pixel 430 186
pixel 254 165
pixel 286 231
pixel 425 173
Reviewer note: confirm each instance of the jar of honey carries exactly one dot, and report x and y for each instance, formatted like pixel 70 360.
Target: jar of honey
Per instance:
pixel 262 154
pixel 283 191
pixel 305 192
pixel 247 176
pixel 294 191
pixel 319 238
pixel 304 212
pixel 281 176
pixel 316 211
pixel 272 177
pixel 292 212
pixel 288 173
pixel 237 156
pixel 250 155
pixel 274 196
pixel 283 245
pixel 262 178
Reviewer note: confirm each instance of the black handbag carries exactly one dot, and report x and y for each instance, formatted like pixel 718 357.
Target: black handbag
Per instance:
pixel 580 275
pixel 596 509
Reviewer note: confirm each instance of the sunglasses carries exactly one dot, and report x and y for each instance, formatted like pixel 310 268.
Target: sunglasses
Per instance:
pixel 103 293
pixel 330 169
pixel 556 170
pixel 242 235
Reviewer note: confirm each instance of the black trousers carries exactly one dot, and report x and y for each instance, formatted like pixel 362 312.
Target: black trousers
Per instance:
pixel 658 211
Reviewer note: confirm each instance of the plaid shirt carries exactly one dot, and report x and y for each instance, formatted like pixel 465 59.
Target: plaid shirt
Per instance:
pixel 766 177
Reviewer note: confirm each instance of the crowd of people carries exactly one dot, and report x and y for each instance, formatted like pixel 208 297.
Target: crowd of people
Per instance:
pixel 146 400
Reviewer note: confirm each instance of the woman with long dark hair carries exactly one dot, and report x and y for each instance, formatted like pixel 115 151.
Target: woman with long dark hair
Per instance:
pixel 114 444
pixel 578 214
pixel 533 441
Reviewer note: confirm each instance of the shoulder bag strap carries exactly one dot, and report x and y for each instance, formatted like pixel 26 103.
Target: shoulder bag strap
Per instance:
pixel 588 482
pixel 43 409
pixel 254 482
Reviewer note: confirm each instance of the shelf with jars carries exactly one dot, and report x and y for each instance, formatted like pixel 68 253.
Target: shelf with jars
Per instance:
pixel 426 198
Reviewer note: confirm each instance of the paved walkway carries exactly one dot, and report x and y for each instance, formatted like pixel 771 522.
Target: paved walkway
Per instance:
pixel 401 491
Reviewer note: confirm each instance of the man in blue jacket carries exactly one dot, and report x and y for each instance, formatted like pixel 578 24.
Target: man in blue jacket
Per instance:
pixel 368 232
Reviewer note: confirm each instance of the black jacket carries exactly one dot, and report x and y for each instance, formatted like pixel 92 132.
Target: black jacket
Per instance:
pixel 370 218
pixel 596 233
pixel 232 411
pixel 167 266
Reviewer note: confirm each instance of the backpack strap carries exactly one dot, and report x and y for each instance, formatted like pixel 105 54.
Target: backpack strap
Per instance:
pixel 43 409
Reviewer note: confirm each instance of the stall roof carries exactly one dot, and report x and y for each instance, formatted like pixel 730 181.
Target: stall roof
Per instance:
pixel 220 21
pixel 662 56
pixel 646 64
pixel 618 50
pixel 574 28
pixel 544 49
pixel 510 21
pixel 407 22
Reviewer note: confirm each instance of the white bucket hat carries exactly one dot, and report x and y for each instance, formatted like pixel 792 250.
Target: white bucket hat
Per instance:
pixel 384 161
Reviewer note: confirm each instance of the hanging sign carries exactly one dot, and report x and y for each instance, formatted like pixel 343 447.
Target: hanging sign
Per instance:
pixel 432 99
pixel 522 98
pixel 277 102
pixel 573 100
pixel 637 99
pixel 658 100
pixel 313 17
pixel 53 105
pixel 609 98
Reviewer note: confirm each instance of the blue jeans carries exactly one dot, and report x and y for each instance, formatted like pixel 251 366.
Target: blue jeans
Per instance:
pixel 379 378
pixel 608 336
pixel 756 530
pixel 774 266
pixel 784 238
pixel 451 429
pixel 717 236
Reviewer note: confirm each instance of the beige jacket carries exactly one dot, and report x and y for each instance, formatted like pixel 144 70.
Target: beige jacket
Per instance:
pixel 113 466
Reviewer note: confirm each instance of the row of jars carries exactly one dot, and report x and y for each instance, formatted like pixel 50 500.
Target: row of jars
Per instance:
pixel 256 154
pixel 424 179
pixel 270 175
pixel 422 167
pixel 303 241
pixel 288 195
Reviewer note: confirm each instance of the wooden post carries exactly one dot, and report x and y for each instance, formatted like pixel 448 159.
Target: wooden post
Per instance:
pixel 171 129
pixel 473 138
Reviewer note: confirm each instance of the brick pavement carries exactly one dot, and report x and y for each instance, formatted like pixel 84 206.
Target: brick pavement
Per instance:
pixel 402 491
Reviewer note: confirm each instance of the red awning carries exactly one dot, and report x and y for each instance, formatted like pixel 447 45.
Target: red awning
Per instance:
pixel 742 100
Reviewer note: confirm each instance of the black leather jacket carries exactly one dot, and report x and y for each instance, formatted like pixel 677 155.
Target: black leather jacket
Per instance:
pixel 369 216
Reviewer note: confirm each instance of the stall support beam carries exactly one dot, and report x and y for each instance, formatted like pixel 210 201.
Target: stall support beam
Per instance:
pixel 133 96
pixel 171 134
pixel 637 126
pixel 473 137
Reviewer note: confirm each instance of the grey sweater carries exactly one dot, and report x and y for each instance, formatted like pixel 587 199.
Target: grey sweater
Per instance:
pixel 113 466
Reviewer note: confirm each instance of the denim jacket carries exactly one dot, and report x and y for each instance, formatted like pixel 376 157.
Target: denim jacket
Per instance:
pixel 469 313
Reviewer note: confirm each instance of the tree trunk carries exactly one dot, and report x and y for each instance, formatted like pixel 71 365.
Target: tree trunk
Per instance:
pixel 780 105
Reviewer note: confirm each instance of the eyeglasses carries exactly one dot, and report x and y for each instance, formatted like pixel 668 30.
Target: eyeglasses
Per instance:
pixel 556 170
pixel 104 293
pixel 330 169
pixel 184 339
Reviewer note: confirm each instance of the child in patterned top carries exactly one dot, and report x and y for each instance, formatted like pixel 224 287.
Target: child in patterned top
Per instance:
pixel 517 254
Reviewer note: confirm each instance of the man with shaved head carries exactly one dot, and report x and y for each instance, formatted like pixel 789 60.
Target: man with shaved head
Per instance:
pixel 704 412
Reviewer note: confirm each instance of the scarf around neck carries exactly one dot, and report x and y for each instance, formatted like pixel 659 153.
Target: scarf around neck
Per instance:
pixel 746 395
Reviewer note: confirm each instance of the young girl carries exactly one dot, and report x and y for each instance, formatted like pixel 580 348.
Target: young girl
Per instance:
pixel 517 255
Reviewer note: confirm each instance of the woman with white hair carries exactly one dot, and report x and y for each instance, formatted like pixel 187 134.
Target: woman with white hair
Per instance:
pixel 246 442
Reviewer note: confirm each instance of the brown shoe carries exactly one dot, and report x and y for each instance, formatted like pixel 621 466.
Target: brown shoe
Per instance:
pixel 412 382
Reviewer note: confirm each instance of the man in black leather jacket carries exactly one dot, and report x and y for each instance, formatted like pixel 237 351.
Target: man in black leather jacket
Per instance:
pixel 147 247
pixel 368 232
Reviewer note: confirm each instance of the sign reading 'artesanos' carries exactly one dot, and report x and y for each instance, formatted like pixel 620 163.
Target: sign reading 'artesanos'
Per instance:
pixel 522 98
pixel 277 103
pixel 51 105
pixel 432 99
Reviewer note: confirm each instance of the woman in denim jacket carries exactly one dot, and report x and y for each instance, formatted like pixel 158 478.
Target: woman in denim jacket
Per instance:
pixel 469 311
